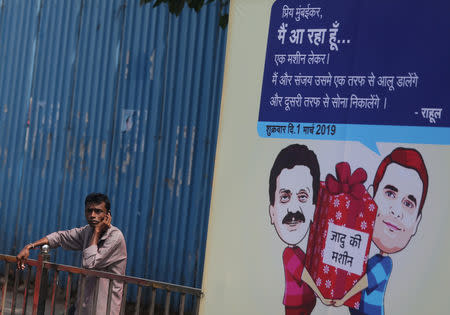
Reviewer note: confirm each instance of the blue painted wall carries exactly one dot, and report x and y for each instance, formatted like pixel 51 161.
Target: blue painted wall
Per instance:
pixel 110 96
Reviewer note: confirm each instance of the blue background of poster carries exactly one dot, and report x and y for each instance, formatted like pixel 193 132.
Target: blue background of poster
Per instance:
pixel 387 38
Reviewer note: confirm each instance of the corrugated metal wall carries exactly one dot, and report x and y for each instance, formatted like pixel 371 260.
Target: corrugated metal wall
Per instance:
pixel 106 95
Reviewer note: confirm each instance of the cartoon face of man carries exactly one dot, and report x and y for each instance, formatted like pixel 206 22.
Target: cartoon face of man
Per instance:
pixel 293 209
pixel 293 189
pixel 400 195
pixel 398 199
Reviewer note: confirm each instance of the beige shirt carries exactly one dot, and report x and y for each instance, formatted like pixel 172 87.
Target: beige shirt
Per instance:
pixel 109 255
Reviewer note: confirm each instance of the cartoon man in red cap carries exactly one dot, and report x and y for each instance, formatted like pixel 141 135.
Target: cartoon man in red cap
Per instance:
pixel 400 188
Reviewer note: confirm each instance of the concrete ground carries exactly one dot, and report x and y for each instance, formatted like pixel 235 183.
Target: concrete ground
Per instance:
pixel 59 305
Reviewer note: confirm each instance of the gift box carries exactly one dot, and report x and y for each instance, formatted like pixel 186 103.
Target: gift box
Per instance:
pixel 341 233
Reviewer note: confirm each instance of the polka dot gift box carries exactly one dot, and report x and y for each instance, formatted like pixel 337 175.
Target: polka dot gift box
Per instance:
pixel 341 233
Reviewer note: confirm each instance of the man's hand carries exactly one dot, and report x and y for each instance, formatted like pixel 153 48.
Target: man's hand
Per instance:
pixel 22 257
pixel 338 302
pixel 100 228
pixel 327 302
pixel 103 225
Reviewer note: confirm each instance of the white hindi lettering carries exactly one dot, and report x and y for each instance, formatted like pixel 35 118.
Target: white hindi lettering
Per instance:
pixel 275 78
pixel 373 101
pixel 371 79
pixel 316 36
pixel 353 102
pixel 280 59
pixel 386 81
pixel 315 59
pixel 332 38
pixel 407 81
pixel 296 36
pixel 368 103
pixel 326 101
pixel 303 80
pixel 323 80
pixel 297 58
pixel 356 80
pixel 339 102
pixel 276 100
pixel 431 114
pixel 285 79
pixel 292 101
pixel 307 13
pixel 287 12
pixel 311 101
pixel 339 80
pixel 282 32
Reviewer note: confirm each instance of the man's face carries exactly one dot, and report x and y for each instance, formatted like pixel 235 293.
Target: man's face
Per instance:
pixel 398 199
pixel 95 213
pixel 293 209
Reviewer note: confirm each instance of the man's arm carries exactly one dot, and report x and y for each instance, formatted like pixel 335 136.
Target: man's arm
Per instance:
pixel 112 250
pixel 295 266
pixel 69 239
pixel 362 284
pixel 306 277
pixel 100 229
pixel 25 252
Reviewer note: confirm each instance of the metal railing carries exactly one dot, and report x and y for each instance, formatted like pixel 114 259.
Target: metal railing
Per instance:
pixel 41 284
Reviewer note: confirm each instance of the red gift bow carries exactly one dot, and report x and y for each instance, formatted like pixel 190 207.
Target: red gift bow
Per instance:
pixel 346 182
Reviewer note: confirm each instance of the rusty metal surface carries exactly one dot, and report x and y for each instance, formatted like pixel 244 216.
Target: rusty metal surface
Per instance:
pixel 67 297
pixel 40 286
pixel 25 293
pixel 103 274
pixel 14 295
pixel 4 290
pixel 54 287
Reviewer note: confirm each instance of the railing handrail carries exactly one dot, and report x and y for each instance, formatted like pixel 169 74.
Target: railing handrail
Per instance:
pixel 109 275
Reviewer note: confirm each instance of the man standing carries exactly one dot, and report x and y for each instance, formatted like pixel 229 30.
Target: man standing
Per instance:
pixel 293 190
pixel 400 188
pixel 103 248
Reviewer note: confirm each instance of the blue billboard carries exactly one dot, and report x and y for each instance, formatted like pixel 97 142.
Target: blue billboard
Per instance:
pixel 368 71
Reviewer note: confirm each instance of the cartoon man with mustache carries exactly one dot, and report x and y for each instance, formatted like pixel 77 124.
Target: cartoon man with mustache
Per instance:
pixel 400 188
pixel 293 190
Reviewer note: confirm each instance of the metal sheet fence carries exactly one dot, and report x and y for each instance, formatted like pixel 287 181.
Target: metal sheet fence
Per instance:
pixel 110 96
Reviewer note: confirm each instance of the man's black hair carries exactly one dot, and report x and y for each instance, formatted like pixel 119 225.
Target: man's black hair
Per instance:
pixel 293 155
pixel 96 198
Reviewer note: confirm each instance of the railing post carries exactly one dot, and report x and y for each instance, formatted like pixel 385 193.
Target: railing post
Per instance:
pixel 4 289
pixel 43 267
pixel 41 283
